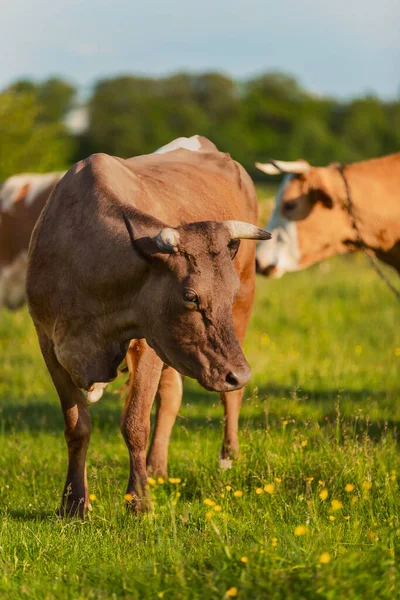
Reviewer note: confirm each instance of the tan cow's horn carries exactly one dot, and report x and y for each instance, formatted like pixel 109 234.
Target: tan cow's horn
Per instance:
pixel 273 167
pixel 167 240
pixel 240 230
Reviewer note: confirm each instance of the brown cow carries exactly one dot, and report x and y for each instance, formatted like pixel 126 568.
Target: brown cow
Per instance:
pixel 311 219
pixel 142 257
pixel 22 198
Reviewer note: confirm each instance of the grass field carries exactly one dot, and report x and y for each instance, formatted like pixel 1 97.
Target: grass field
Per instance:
pixel 322 412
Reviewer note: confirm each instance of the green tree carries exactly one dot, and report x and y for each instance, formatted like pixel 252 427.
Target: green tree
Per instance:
pixel 25 143
pixel 55 97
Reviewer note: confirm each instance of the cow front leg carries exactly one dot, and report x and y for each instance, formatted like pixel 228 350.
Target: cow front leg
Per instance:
pixel 168 402
pixel 77 429
pixel 145 371
pixel 231 402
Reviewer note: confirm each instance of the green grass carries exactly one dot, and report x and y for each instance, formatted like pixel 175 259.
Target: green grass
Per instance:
pixel 323 404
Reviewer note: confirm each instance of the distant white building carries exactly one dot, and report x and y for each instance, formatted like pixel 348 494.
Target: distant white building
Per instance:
pixel 77 120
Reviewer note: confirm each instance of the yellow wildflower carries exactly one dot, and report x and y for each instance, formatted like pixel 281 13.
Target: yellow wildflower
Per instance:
pixel 331 518
pixel 264 339
pixel 397 351
pixel 274 542
pixel 349 487
pixel 217 508
pixel 367 485
pixel 269 488
pixel 151 481
pixel 358 349
pixel 128 497
pixel 262 551
pixel 309 479
pixel 277 479
pixel 354 499
pixel 92 497
pixel 324 494
pixel 160 480
pixel 228 488
pixel 238 493
pixel 244 559
pixel 232 592
pixel 174 479
pixel 284 423
pixel 209 515
pixel 325 558
pixel 321 482
pixel 304 443
pixel 300 530
pixel 347 518
pixel 209 502
pixel 259 491
pixel 222 495
pixel 336 505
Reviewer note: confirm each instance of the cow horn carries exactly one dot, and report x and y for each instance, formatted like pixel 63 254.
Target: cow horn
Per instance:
pixel 274 167
pixel 167 240
pixel 239 230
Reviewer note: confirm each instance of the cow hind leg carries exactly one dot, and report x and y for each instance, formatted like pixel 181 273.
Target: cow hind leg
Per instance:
pixel 145 372
pixel 168 402
pixel 77 429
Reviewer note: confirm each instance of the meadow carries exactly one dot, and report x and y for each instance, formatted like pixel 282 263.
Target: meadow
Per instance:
pixel 311 508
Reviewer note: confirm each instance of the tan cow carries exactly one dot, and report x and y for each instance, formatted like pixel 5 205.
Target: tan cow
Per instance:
pixel 142 257
pixel 311 219
pixel 22 198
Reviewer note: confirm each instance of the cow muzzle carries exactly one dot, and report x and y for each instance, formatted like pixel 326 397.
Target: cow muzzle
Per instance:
pixel 227 380
pixel 267 271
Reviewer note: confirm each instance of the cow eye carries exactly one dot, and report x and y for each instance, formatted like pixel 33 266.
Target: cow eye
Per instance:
pixel 190 296
pixel 290 205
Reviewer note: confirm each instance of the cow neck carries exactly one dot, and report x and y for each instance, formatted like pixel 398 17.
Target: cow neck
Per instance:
pixel 372 228
pixel 371 257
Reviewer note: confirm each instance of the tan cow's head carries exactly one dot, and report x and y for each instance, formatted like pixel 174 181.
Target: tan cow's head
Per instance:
pixel 187 298
pixel 308 223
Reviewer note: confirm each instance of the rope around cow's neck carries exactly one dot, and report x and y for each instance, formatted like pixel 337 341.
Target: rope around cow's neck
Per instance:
pixel 372 259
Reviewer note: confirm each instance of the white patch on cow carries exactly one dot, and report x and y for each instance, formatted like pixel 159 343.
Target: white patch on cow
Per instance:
pixel 12 282
pixel 281 253
pixel 95 392
pixel 38 182
pixel 192 143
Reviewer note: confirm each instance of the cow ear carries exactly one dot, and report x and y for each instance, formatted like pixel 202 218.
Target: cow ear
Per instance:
pixel 234 247
pixel 149 236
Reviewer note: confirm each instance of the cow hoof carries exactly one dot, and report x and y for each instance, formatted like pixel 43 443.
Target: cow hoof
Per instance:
pixel 225 463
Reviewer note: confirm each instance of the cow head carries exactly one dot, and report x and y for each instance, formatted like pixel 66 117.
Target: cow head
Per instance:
pixel 187 296
pixel 307 223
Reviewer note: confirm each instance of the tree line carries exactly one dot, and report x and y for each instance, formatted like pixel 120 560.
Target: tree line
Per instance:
pixel 269 116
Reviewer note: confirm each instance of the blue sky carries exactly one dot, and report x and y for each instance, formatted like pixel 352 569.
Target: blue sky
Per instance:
pixel 338 47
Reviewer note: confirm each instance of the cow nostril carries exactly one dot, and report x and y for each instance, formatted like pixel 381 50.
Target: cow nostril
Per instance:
pixel 238 379
pixel 231 379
